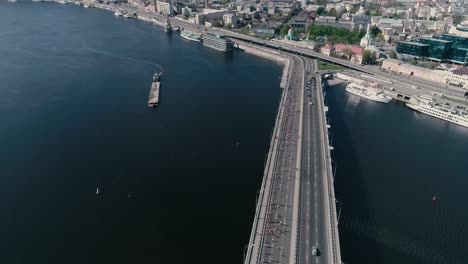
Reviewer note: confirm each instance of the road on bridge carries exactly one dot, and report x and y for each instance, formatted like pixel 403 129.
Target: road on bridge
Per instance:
pixel 313 227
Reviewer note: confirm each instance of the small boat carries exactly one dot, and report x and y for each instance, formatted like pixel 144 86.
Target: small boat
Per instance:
pixel 97 191
pixel 127 15
pixel 156 77
pixel 118 13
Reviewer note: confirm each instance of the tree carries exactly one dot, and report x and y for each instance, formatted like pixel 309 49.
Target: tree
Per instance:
pixel 332 12
pixel 284 30
pixel 218 24
pixel 335 34
pixel 457 19
pixel 392 54
pixel 321 11
pixel 347 52
pixel 375 13
pixel 366 57
pixel 380 37
pixel 375 30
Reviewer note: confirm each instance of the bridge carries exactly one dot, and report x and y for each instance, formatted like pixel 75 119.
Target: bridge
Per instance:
pixel 296 208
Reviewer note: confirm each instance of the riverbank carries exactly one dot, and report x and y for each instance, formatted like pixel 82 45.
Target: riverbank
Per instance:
pixel 269 54
pixel 265 53
pixel 82 60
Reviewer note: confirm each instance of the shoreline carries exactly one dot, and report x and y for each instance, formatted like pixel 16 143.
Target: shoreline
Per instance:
pixel 271 55
pixel 268 54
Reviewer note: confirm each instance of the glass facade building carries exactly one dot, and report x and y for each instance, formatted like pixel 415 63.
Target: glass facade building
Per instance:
pixel 438 49
pixel 415 49
pixel 443 47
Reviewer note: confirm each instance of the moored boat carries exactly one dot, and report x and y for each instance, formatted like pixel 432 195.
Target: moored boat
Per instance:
pixel 367 91
pixel 190 35
pixel 454 114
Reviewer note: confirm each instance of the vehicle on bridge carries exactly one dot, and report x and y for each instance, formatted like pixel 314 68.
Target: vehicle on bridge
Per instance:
pixel 315 251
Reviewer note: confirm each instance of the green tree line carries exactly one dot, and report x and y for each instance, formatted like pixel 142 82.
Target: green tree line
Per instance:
pixel 335 34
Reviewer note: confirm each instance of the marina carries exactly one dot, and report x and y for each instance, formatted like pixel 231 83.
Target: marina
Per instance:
pixel 435 105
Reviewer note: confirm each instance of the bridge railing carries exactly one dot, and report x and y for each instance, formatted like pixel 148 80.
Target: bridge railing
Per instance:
pixel 333 221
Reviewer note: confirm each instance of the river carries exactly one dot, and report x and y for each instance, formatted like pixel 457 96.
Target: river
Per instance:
pixel 391 163
pixel 177 183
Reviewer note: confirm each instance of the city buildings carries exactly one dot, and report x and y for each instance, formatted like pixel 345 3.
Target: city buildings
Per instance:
pixel 413 49
pixel 454 76
pixel 301 22
pixel 164 8
pixel 230 19
pixel 349 52
pixel 326 19
pixel 367 40
pixel 460 30
pixel 442 48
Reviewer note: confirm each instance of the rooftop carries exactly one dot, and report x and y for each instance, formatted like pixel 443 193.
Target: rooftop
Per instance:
pixel 461 71
pixel 413 43
pixel 436 40
pixel 355 49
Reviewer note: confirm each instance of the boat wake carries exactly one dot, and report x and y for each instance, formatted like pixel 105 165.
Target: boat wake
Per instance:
pixel 159 69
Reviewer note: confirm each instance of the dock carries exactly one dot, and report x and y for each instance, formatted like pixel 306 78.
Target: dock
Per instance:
pixel 153 100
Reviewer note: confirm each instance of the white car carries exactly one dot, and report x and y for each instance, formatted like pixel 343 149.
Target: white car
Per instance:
pixel 315 251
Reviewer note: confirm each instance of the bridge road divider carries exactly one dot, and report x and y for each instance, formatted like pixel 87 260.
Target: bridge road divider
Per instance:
pixel 330 192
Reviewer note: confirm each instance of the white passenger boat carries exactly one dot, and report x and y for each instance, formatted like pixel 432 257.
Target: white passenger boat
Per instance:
pixel 190 35
pixel 367 91
pixel 457 115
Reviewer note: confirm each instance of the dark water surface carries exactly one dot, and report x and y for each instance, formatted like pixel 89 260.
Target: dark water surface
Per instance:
pixel 391 162
pixel 175 188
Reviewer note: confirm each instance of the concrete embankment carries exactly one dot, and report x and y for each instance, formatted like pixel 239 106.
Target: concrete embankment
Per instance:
pixel 335 81
pixel 269 54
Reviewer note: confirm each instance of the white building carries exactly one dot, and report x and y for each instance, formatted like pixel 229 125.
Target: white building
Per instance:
pixel 230 19
pixel 164 8
pixel 458 77
pixel 200 19
pixel 367 40
pixel 460 30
